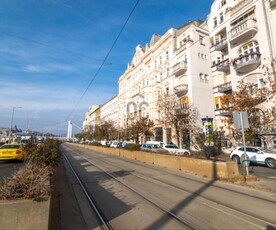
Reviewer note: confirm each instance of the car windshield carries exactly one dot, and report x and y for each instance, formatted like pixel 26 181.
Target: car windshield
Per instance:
pixel 10 147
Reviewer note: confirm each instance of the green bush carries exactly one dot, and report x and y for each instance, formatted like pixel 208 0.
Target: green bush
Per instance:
pixel 132 147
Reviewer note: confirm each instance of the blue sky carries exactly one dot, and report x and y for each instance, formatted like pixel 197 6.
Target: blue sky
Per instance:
pixel 50 50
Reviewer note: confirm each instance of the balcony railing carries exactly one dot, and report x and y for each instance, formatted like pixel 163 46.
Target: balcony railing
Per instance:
pixel 222 112
pixel 224 88
pixel 222 66
pixel 180 68
pixel 220 45
pixel 244 29
pixel 247 62
pixel 181 90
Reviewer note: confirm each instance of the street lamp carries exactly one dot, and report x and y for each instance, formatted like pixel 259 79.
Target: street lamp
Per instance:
pixel 12 122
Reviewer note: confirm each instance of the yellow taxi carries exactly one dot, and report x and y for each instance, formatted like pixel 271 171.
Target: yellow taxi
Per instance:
pixel 11 151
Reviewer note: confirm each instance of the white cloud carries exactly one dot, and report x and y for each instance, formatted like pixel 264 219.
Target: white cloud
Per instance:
pixel 48 68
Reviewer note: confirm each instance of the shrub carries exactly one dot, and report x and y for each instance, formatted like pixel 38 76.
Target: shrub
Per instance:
pixel 47 153
pixel 31 181
pixel 132 147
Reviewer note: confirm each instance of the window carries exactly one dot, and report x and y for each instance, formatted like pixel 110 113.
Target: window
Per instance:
pixel 221 17
pixel 167 55
pixel 201 77
pixel 204 78
pixel 160 60
pixel 201 40
pixel 223 2
pixel 185 58
pixel 215 22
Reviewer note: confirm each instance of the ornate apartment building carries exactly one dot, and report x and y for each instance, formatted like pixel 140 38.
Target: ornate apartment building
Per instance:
pixel 177 62
pixel 241 41
pixel 199 62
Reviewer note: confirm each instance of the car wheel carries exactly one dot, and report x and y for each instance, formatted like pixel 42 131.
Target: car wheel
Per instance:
pixel 236 159
pixel 270 163
pixel 186 154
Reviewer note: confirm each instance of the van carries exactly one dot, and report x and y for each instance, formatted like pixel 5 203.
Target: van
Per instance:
pixel 160 143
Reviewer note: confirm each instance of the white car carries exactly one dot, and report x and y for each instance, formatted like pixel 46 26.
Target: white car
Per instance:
pixel 114 144
pixel 171 148
pixel 255 155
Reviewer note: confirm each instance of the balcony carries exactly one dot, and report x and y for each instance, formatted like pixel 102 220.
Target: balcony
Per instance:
pixel 223 66
pixel 244 30
pixel 247 62
pixel 239 6
pixel 224 88
pixel 222 112
pixel 180 68
pixel 181 90
pixel 220 45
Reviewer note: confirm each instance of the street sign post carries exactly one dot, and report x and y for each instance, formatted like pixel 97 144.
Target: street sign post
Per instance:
pixel 241 121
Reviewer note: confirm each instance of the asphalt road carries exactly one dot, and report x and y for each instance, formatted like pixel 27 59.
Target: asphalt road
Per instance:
pixel 7 168
pixel 200 202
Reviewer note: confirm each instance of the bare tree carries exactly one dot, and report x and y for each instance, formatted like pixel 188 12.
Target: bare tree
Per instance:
pixel 141 127
pixel 259 102
pixel 181 117
pixel 105 130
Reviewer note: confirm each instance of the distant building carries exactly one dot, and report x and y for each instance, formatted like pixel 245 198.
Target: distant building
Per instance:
pixel 89 119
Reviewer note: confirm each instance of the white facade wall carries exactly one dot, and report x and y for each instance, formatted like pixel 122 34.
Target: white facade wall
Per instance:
pixel 92 115
pixel 240 44
pixel 153 69
pixel 87 118
pixel 109 111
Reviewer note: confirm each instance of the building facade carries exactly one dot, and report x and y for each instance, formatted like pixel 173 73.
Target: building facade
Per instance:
pixel 109 111
pixel 177 62
pixel 241 41
pixel 90 118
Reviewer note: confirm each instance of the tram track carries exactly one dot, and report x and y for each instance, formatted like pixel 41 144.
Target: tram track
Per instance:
pixel 228 209
pixel 105 224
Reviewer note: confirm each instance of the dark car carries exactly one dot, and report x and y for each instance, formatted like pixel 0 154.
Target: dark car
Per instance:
pixel 119 145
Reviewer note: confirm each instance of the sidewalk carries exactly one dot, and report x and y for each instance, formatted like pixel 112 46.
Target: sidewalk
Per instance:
pixel 262 184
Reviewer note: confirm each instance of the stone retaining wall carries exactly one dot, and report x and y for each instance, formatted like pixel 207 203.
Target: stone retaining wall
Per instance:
pixel 205 168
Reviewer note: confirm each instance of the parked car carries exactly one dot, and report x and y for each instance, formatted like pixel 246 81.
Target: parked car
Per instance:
pixel 119 145
pixel 11 152
pixel 159 143
pixel 127 143
pixel 114 144
pixel 152 148
pixel 172 148
pixel 255 155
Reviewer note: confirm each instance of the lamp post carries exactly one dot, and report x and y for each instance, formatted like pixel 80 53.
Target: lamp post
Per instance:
pixel 12 122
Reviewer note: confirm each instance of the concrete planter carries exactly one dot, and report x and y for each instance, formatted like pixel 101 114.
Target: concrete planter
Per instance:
pixel 24 214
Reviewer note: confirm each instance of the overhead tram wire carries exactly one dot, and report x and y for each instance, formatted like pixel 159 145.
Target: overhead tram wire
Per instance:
pixel 107 55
